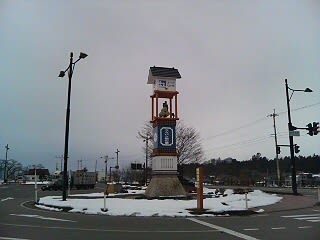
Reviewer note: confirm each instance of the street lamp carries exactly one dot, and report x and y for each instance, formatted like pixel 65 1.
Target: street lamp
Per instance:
pixel 291 128
pixel 70 70
pixel 146 139
pixel 106 158
pixel 5 175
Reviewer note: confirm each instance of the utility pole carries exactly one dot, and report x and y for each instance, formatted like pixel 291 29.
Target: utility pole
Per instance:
pixel 80 164
pixel 5 176
pixel 117 152
pixel 146 169
pixel 146 139
pixel 61 159
pixel 274 115
pixel 117 166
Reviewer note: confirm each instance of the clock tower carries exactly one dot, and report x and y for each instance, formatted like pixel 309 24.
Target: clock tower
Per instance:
pixel 164 115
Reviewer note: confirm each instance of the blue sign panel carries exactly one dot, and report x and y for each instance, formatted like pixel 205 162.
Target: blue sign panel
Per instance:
pixel 165 138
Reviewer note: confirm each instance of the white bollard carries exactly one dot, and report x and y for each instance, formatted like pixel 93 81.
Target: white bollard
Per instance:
pixel 104 209
pixel 246 197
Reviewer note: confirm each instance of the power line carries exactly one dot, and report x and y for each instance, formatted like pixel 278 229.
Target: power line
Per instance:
pixel 300 108
pixel 248 142
pixel 243 142
pixel 238 128
pixel 250 124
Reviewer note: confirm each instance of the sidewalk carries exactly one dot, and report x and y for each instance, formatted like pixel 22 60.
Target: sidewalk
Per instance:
pixel 290 202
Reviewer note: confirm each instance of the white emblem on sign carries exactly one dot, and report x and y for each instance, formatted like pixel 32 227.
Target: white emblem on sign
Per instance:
pixel 166 136
pixel 155 137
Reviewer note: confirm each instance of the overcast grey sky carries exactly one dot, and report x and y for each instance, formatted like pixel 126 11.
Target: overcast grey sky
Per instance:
pixel 233 57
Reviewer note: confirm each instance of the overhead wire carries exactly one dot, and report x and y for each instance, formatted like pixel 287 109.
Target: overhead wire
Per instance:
pixel 254 140
pixel 250 124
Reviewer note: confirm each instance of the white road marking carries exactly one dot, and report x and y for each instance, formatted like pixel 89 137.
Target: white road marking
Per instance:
pixel 251 229
pixel 109 230
pixel 41 217
pixel 307 218
pixel 305 227
pixel 304 215
pixel 5 199
pixel 7 238
pixel 261 215
pixel 318 220
pixel 278 228
pixel 222 229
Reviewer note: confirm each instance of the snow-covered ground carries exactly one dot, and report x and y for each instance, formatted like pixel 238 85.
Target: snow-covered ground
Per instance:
pixel 117 206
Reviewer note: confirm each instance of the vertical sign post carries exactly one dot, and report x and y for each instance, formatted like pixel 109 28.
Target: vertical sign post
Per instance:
pixel 199 174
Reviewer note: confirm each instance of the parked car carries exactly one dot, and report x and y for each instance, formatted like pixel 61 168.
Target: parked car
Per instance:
pixel 188 184
pixel 56 185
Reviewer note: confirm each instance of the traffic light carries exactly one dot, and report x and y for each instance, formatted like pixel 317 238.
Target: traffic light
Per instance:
pixel 296 149
pixel 315 128
pixel 310 129
pixel 278 150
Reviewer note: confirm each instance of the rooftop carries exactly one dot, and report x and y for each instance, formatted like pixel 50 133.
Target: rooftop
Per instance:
pixel 165 72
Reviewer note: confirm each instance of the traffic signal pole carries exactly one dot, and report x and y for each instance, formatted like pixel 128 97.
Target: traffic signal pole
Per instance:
pixel 293 163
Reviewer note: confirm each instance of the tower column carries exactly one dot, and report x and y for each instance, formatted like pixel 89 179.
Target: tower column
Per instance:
pixel 176 105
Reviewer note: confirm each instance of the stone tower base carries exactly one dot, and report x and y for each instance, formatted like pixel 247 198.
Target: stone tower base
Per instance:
pixel 165 186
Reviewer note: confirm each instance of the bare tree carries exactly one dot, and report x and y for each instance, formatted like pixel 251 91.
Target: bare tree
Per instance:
pixel 147 131
pixel 14 168
pixel 189 145
pixel 188 142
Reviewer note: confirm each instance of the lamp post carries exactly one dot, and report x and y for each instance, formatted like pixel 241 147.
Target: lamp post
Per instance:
pixel 5 175
pixel 70 70
pixel 106 158
pixel 291 128
pixel 146 164
pixel 146 139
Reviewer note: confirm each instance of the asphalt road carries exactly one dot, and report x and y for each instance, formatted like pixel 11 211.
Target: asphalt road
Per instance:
pixel 20 222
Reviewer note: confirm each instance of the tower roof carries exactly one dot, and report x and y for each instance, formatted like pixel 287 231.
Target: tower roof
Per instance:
pixel 164 72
